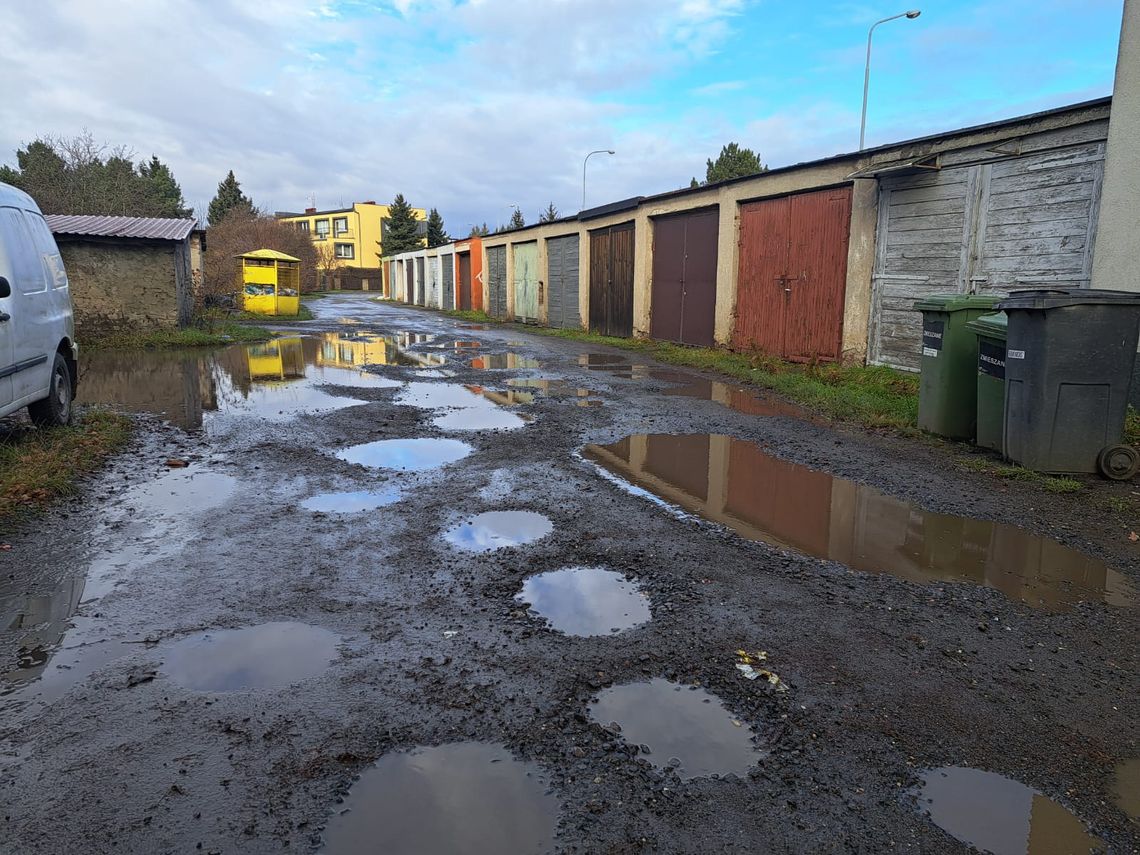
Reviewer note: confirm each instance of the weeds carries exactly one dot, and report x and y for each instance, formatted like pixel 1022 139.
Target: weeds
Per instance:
pixel 208 334
pixel 1009 472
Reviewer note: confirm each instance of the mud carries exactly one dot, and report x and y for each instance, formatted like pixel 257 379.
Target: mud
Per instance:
pixel 886 677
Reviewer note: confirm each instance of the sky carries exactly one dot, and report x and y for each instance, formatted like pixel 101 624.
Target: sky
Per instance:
pixel 475 106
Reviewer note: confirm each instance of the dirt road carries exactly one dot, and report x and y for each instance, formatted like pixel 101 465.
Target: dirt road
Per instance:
pixel 325 632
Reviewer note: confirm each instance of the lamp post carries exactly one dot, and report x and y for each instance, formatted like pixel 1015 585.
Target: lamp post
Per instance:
pixel 591 154
pixel 912 14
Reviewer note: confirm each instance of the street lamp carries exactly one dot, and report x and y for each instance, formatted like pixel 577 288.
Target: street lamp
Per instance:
pixel 912 14
pixel 591 154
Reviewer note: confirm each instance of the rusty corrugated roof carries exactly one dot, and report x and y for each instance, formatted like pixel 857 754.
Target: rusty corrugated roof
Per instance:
pixel 145 228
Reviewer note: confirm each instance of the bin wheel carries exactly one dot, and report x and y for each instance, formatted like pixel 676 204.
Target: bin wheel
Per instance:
pixel 1118 462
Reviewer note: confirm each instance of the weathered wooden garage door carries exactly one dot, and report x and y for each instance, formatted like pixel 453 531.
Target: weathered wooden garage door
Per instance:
pixel 420 282
pixel 684 277
pixel 611 280
pixel 793 274
pixel 562 279
pixel 409 282
pixel 986 228
pixel 465 280
pixel 525 280
pixel 447 262
pixel 497 281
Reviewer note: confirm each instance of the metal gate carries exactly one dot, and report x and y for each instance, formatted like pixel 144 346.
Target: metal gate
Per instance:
pixel 793 275
pixel 420 283
pixel 465 281
pixel 447 262
pixel 562 282
pixel 611 280
pixel 683 307
pixel 409 283
pixel 432 289
pixel 524 276
pixel 497 281
pixel 987 228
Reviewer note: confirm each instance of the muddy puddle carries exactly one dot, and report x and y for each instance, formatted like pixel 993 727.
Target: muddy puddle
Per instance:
pixel 1000 815
pixel 406 454
pixel 598 360
pixel 352 502
pixel 466 797
pixel 480 327
pixel 468 407
pixel 735 483
pixel 466 345
pixel 551 388
pixel 267 656
pixel 499 529
pixel 683 727
pixel 1126 787
pixel 585 601
pixel 498 361
pixel 735 398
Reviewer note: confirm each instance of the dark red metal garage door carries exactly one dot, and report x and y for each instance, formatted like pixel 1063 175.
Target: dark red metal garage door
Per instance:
pixel 611 280
pixel 465 280
pixel 793 275
pixel 683 307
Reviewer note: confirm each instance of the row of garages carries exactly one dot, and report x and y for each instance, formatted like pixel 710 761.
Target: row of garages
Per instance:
pixel 818 261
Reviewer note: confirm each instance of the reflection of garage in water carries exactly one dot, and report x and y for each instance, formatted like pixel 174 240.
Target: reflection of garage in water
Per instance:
pixel 734 483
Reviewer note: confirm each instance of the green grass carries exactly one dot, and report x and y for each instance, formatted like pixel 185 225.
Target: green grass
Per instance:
pixel 472 315
pixel 1132 426
pixel 39 465
pixel 305 314
pixel 208 334
pixel 1009 472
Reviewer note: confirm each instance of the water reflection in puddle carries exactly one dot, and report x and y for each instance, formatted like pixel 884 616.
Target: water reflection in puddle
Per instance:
pixel 1126 787
pixel 586 600
pixel 548 387
pixel 999 815
pixel 683 727
pixel 351 503
pixel 407 454
pixel 595 360
pixel 735 398
pixel 465 797
pixel 498 529
pixel 496 361
pixel 479 419
pixel 734 483
pixel 472 327
pixel 266 656
pixel 434 396
pixel 466 345
pixel 472 407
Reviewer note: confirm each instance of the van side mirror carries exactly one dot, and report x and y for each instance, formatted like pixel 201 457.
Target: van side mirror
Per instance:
pixel 5 288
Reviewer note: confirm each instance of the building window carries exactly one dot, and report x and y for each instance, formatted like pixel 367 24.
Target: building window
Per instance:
pixel 340 225
pixel 322 229
pixel 345 250
pixel 303 226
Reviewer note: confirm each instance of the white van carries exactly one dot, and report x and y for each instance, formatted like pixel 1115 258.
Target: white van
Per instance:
pixel 38 353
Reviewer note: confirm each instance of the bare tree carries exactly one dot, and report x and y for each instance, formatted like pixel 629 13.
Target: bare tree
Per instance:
pixel 326 263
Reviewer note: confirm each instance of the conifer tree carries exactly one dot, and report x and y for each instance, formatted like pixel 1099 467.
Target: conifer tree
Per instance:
pixel 401 230
pixel 549 215
pixel 436 233
pixel 517 220
pixel 229 198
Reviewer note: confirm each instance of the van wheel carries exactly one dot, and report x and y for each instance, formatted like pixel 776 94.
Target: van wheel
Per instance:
pixel 55 409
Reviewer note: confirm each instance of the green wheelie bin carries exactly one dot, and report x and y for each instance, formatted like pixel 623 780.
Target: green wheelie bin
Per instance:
pixel 990 330
pixel 947 393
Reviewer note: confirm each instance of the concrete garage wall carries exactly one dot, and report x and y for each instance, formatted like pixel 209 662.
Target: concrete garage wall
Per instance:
pixel 119 285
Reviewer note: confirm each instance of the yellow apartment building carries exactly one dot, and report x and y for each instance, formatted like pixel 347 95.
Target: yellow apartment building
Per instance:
pixel 355 234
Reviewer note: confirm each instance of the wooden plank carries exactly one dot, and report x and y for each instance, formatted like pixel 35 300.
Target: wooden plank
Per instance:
pixel 915 209
pixel 1029 181
pixel 952 222
pixel 1046 196
pixel 1043 246
pixel 929 194
pixel 1073 209
pixel 1049 228
pixel 925 236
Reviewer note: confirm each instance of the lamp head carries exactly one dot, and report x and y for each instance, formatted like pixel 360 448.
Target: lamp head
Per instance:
pixel 609 151
pixel 914 13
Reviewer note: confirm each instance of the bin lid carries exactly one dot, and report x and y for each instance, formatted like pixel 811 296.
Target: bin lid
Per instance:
pixel 953 302
pixel 1057 298
pixel 993 325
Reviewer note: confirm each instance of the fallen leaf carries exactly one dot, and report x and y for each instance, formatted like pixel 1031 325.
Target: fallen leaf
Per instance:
pixel 1133 536
pixel 176 463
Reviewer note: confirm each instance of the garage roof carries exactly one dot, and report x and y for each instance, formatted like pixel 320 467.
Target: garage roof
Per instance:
pixel 97 225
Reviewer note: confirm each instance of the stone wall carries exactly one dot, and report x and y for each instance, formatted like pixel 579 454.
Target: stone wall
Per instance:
pixel 120 285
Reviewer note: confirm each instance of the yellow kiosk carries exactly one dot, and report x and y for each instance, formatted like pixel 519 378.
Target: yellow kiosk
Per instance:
pixel 270 282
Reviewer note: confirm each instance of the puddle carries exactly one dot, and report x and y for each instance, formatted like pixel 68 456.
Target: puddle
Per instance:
pixel 351 503
pixel 406 454
pixel 479 419
pixel 435 372
pixel 499 529
pixel 999 815
pixel 686 728
pixel 466 345
pixel 586 600
pixel 472 327
pixel 550 388
pixel 735 398
pixel 472 407
pixel 435 396
pixel 1126 787
pixel 466 797
pixel 596 360
pixel 497 361
pixel 734 483
pixel 267 656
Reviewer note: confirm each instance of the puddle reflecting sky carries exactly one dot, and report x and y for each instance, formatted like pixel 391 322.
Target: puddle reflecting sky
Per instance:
pixel 267 656
pixel 407 454
pixel 586 600
pixel 465 797
pixel 495 361
pixel 999 815
pixel 352 503
pixel 498 529
pixel 735 483
pixel 470 407
pixel 479 419
pixel 678 723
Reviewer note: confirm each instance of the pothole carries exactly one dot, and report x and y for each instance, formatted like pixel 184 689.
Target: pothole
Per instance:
pixel 585 600
pixel 475 418
pixel 464 797
pixel 406 454
pixel 683 727
pixel 499 529
pixel 266 656
pixel 500 361
pixel 351 502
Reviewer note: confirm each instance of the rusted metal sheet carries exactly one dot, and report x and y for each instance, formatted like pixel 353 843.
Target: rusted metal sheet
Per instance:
pixel 793 275
pixel 611 280
pixel 525 276
pixel 562 282
pixel 464 280
pixel 683 307
pixel 497 281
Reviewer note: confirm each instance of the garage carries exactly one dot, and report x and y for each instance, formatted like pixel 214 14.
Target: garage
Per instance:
pixel 420 280
pixel 611 280
pixel 497 281
pixel 432 289
pixel 409 282
pixel 1020 221
pixel 524 275
pixel 683 293
pixel 792 275
pixel 562 283
pixel 447 265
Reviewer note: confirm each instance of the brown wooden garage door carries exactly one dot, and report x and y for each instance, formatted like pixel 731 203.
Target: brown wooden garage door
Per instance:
pixel 684 277
pixel 465 280
pixel 793 275
pixel 611 280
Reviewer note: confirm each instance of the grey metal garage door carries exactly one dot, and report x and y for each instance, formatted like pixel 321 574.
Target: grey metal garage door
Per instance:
pixel 497 281
pixel 448 264
pixel 562 299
